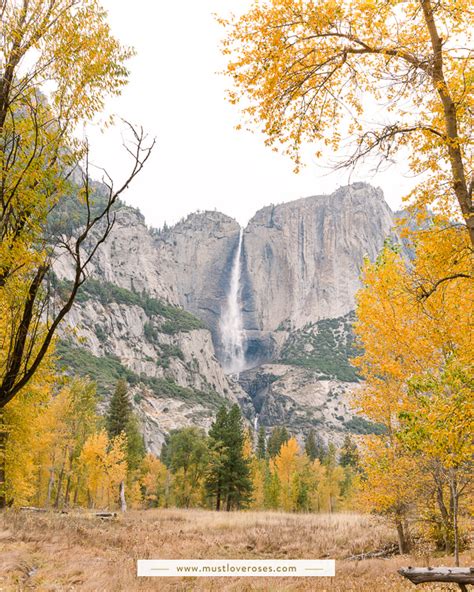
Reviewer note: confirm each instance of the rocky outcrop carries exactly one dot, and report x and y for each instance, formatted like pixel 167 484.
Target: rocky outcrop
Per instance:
pixel 297 398
pixel 128 322
pixel 174 376
pixel 129 259
pixel 303 258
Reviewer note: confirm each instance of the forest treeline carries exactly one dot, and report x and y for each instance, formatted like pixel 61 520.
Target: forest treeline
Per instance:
pixel 63 454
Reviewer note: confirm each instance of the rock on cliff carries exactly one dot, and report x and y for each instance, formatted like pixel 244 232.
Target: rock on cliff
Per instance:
pixel 299 399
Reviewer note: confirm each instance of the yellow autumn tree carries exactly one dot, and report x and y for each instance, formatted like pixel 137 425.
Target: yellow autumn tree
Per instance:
pixel 58 63
pixel 286 465
pixel 22 420
pixel 330 482
pixel 258 467
pixel 103 467
pixel 418 366
pixel 318 496
pixel 155 482
pixel 52 448
pixel 317 71
pixel 392 484
pixel 437 430
pixel 258 470
pixel 63 428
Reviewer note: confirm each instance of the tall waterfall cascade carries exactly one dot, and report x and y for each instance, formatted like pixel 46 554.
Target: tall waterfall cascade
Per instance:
pixel 231 322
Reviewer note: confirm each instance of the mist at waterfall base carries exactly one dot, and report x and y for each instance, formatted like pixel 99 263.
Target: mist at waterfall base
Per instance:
pixel 231 322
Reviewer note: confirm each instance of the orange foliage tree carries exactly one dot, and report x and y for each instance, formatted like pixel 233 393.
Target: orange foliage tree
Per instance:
pixel 415 331
pixel 305 70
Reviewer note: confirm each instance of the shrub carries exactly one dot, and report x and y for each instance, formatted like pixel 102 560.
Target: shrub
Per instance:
pixel 325 346
pixel 359 425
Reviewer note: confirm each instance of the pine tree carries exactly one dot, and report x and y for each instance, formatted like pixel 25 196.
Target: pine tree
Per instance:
pixel 120 410
pixel 120 419
pixel 314 447
pixel 321 449
pixel 302 487
pixel 261 443
pixel 228 477
pixel 239 484
pixel 329 460
pixel 349 454
pixel 135 444
pixel 218 450
pixel 278 437
pixel 310 446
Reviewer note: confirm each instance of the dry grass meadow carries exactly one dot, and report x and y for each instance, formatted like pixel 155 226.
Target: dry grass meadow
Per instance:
pixel 54 552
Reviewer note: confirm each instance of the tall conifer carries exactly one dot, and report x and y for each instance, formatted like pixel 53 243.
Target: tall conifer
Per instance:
pixel 261 443
pixel 228 479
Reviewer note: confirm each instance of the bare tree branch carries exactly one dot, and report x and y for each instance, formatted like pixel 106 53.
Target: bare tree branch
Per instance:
pixel 23 359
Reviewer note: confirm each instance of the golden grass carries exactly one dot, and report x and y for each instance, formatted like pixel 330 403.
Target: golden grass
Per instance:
pixel 54 552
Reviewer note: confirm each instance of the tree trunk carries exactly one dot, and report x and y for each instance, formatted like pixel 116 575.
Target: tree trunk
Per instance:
pixel 218 498
pixel 58 493
pixel 123 501
pixel 454 498
pixel 76 493
pixel 402 539
pixel 459 181
pixel 3 448
pixel 60 483
pixel 66 494
pixel 167 489
pixel 50 486
pixel 444 514
pixel 38 482
pixel 452 575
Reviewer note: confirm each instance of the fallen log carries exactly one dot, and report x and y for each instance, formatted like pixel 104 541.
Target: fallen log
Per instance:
pixel 386 552
pixel 448 575
pixel 106 514
pixel 65 512
pixel 32 509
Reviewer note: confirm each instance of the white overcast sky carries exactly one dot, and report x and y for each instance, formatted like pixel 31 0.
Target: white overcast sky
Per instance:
pixel 200 160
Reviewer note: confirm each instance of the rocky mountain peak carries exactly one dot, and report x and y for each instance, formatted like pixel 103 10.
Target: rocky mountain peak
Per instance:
pixel 212 222
pixel 348 196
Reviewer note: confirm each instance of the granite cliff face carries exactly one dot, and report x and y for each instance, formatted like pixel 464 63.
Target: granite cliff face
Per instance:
pixel 151 312
pixel 301 262
pixel 196 258
pixel 303 258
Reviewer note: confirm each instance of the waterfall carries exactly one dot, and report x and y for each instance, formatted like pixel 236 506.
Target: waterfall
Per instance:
pixel 231 323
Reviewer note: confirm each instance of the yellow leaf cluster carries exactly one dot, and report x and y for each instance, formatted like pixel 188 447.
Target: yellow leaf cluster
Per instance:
pixel 316 72
pixel 415 329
